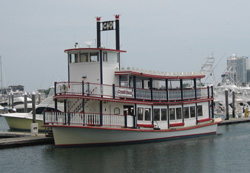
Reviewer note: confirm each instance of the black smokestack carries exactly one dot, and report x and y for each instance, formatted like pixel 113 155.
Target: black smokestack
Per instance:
pixel 98 29
pixel 117 32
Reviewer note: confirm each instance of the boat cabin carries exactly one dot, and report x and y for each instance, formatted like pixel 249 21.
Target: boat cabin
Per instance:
pixel 95 65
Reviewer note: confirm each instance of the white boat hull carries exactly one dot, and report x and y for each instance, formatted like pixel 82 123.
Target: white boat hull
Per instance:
pixel 75 135
pixel 22 123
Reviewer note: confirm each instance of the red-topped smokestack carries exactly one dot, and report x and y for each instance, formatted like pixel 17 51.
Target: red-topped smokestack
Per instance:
pixel 98 19
pixel 117 31
pixel 98 29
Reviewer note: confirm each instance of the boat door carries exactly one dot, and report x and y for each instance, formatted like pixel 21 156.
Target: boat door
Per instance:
pixel 129 111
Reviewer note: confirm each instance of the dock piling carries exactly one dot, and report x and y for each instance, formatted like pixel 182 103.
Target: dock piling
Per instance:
pixel 25 103
pixel 34 107
pixel 34 125
pixel 233 101
pixel 226 104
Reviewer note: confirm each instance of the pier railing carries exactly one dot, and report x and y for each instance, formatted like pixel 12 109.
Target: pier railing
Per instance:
pixel 79 118
pixel 118 92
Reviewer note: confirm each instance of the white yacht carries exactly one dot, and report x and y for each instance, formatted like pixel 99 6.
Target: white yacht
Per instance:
pixel 22 121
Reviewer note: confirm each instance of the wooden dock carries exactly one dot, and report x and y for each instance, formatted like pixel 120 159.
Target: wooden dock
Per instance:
pixel 235 121
pixel 16 139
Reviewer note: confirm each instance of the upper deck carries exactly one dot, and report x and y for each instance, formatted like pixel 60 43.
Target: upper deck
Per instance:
pixel 144 87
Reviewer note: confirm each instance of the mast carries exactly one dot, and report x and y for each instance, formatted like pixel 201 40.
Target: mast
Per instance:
pixel 208 67
pixel 1 76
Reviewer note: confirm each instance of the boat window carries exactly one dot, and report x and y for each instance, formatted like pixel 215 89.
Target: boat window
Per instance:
pixel 198 83
pixel 172 113
pixel 112 57
pixel 188 84
pixel 178 113
pixel 117 111
pixel 192 111
pixel 76 58
pixel 163 114
pixel 72 58
pixel 94 57
pixel 186 112
pixel 83 57
pixel 140 114
pixel 124 81
pixel 157 114
pixel 174 84
pixel 199 110
pixel 105 57
pixel 147 114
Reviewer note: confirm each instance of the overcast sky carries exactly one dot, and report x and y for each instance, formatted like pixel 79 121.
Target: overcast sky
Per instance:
pixel 160 35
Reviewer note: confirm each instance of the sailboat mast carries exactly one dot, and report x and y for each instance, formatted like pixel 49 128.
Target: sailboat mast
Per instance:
pixel 1 75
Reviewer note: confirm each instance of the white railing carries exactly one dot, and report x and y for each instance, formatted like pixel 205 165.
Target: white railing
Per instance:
pixel 55 117
pixel 77 118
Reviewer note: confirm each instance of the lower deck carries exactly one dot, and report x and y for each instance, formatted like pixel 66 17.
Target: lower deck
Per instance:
pixel 122 115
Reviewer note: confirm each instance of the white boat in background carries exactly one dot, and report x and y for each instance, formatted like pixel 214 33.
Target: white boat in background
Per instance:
pixel 16 100
pixel 229 83
pixel 22 121
pixel 1 110
pixel 242 99
pixel 106 104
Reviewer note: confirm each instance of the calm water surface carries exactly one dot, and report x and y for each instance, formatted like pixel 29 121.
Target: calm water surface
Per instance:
pixel 228 151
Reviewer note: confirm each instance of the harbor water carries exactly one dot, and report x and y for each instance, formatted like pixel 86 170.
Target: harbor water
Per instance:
pixel 228 151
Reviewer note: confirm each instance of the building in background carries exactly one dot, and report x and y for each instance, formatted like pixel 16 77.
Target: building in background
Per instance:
pixel 237 68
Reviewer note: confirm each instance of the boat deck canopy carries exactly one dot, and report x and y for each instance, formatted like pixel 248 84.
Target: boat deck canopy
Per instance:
pixel 92 49
pixel 176 76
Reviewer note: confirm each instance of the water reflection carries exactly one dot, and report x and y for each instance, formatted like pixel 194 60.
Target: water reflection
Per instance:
pixel 192 154
pixel 228 151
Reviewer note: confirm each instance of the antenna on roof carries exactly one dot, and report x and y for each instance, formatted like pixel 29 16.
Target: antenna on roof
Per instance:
pixel 76 44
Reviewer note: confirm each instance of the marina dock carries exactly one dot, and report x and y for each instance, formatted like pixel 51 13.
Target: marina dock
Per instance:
pixel 17 139
pixel 235 121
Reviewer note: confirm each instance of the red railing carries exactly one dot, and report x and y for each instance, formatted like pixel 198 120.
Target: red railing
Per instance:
pixel 118 92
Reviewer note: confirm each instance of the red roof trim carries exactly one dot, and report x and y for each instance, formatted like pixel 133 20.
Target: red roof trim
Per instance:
pixel 131 101
pixel 157 76
pixel 114 50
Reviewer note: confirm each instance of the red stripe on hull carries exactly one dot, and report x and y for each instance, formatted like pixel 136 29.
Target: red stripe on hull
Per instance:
pixel 141 130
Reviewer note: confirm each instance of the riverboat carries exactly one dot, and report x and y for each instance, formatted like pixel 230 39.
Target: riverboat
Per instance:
pixel 106 104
